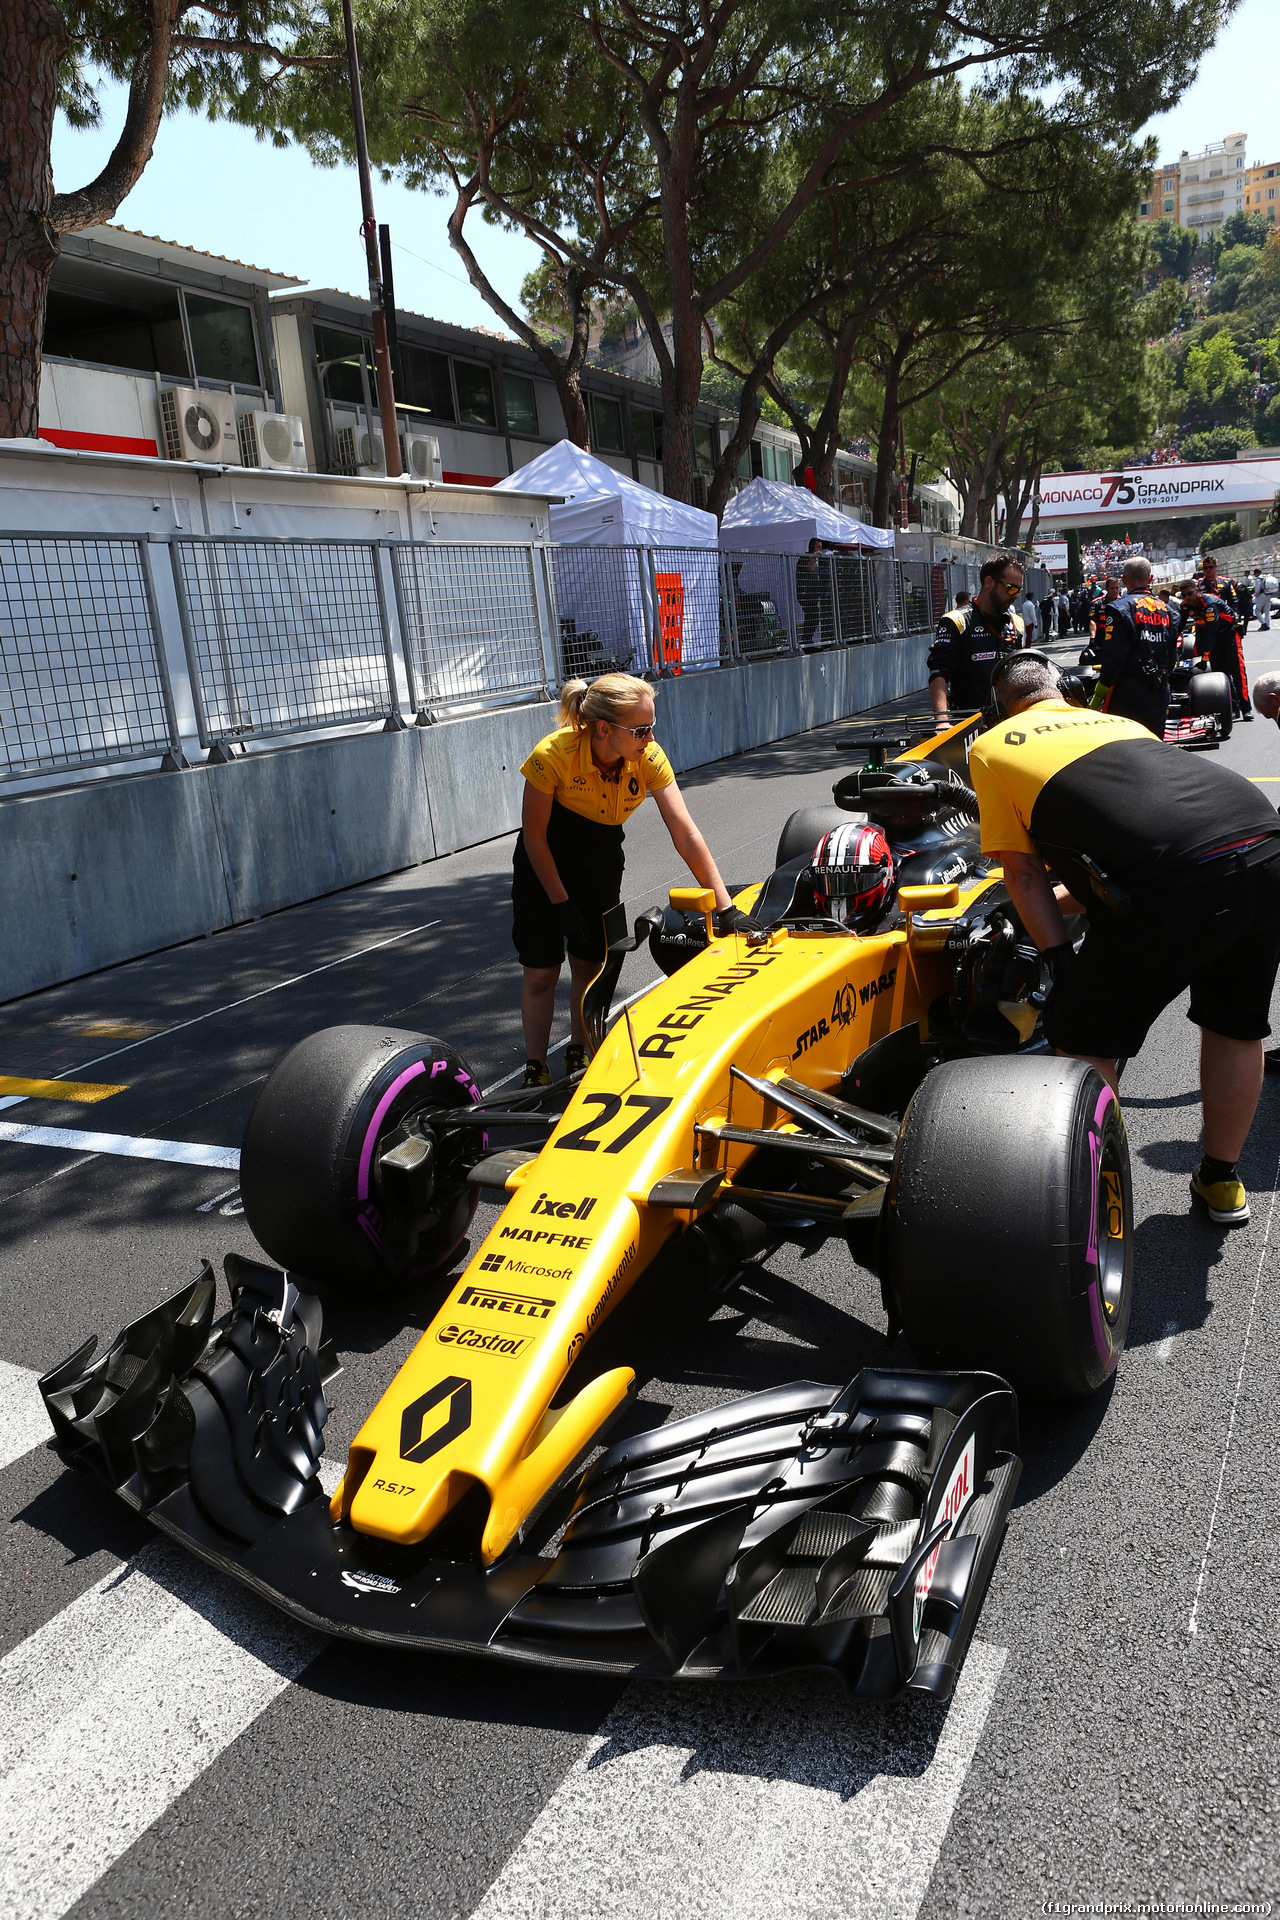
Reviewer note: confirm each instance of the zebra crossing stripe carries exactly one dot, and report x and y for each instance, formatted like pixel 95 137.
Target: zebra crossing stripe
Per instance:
pixel 781 1798
pixel 112 1709
pixel 24 1424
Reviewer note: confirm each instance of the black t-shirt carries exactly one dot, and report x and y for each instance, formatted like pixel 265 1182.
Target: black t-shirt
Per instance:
pixel 967 648
pixel 1066 781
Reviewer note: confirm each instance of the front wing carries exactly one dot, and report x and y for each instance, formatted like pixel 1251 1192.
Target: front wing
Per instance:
pixel 800 1527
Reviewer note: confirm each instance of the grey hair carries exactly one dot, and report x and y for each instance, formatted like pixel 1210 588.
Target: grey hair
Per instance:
pixel 1022 679
pixel 1264 687
pixel 1139 570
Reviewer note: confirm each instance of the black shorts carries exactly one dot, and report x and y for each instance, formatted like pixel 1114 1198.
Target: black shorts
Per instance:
pixel 1218 934
pixel 538 940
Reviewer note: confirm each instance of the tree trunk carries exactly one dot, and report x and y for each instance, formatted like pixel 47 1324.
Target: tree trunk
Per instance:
pixel 565 374
pixel 827 432
pixel 887 445
pixel 33 40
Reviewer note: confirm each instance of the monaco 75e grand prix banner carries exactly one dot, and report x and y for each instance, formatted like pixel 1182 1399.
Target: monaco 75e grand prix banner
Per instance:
pixel 1147 492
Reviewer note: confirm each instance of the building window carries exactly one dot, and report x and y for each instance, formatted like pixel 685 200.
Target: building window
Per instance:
pixel 1145 207
pixel 1168 206
pixel 475 395
pixel 1271 193
pixel 606 425
pixel 522 404
pixel 646 432
pixel 222 343
pixel 703 458
pixel 114 319
pixel 341 357
pixel 424 382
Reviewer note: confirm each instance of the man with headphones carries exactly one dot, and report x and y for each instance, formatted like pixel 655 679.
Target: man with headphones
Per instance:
pixel 1176 862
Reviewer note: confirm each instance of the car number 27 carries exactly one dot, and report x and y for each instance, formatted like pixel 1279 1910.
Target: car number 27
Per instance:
pixel 610 1105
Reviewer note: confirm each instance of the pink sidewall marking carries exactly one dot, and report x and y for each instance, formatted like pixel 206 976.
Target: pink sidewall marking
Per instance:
pixel 366 1151
pixel 1101 1338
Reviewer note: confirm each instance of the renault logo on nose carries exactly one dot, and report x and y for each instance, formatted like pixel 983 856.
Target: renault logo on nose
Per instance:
pixel 413 1444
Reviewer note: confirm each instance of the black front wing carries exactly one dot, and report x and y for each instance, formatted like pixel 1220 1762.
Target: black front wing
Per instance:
pixel 800 1527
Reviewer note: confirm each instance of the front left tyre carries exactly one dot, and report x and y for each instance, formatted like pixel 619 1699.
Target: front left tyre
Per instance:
pixel 316 1193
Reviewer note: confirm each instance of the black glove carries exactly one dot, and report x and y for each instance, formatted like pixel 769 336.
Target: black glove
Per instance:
pixel 1060 960
pixel 571 924
pixel 732 919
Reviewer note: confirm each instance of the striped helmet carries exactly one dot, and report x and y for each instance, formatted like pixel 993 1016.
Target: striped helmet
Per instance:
pixel 852 874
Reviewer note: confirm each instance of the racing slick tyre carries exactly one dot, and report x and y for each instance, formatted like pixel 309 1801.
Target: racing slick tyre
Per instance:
pixel 315 1192
pixel 1008 1231
pixel 806 827
pixel 1211 693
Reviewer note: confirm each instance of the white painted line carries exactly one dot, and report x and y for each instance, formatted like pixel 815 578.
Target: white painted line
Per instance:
pixel 617 1007
pixel 182 1025
pixel 1164 1351
pixel 1193 1623
pixel 187 1153
pixel 781 1798
pixel 24 1424
pixel 111 1710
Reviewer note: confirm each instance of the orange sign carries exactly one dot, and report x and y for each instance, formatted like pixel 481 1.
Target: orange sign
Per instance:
pixel 670 617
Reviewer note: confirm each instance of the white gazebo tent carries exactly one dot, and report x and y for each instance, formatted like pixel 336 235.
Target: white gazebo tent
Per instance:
pixel 606 604
pixel 772 517
pixel 769 518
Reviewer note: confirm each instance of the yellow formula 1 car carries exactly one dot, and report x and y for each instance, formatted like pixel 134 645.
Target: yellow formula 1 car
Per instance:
pixel 885 1080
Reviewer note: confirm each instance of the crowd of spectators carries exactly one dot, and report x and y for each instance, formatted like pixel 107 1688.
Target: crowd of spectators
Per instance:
pixel 1108 556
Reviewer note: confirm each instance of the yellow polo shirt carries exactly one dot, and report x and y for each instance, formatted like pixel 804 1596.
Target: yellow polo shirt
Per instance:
pixel 562 766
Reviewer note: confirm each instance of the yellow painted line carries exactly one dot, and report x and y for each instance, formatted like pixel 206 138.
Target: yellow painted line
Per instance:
pixel 85 1091
pixel 1265 779
pixel 115 1030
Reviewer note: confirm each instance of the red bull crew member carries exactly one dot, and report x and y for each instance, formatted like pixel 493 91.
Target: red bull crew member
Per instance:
pixel 1136 653
pixel 1178 862
pixel 581 783
pixel 1226 637
pixel 972 641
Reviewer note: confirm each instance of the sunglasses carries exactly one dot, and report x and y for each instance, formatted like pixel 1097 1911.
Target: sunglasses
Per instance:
pixel 637 733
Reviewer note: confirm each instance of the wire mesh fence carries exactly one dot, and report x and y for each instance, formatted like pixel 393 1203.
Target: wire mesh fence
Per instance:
pixel 472 617
pixel 603 610
pixel 764 612
pixel 81 671
pixel 283 636
pixel 289 636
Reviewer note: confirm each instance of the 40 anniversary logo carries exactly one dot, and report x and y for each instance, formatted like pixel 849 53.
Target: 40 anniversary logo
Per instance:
pixel 846 1003
pixel 675 1027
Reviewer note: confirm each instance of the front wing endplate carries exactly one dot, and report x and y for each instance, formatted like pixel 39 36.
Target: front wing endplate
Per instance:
pixel 800 1527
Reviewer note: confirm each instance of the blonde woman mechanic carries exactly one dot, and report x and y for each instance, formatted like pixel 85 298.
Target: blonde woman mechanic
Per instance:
pixel 581 783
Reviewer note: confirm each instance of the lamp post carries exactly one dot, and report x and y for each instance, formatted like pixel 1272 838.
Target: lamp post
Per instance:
pixel 369 234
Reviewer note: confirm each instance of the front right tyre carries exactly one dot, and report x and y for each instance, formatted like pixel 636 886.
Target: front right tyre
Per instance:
pixel 1008 1233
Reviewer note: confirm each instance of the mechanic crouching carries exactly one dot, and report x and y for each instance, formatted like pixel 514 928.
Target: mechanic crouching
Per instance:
pixel 1176 862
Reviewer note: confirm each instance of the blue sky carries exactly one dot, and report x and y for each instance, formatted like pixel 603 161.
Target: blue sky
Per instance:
pixel 214 186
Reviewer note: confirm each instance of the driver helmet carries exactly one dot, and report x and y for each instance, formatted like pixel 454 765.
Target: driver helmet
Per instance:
pixel 852 874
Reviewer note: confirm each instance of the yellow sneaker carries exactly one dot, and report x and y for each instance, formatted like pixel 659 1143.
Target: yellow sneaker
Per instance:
pixel 1226 1200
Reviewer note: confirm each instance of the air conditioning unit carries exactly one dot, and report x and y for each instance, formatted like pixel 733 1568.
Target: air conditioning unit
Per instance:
pixel 699 487
pixel 420 456
pixel 199 425
pixel 355 450
pixel 272 440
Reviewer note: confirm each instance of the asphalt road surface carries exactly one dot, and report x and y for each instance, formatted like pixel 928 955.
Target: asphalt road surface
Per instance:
pixel 168 1746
